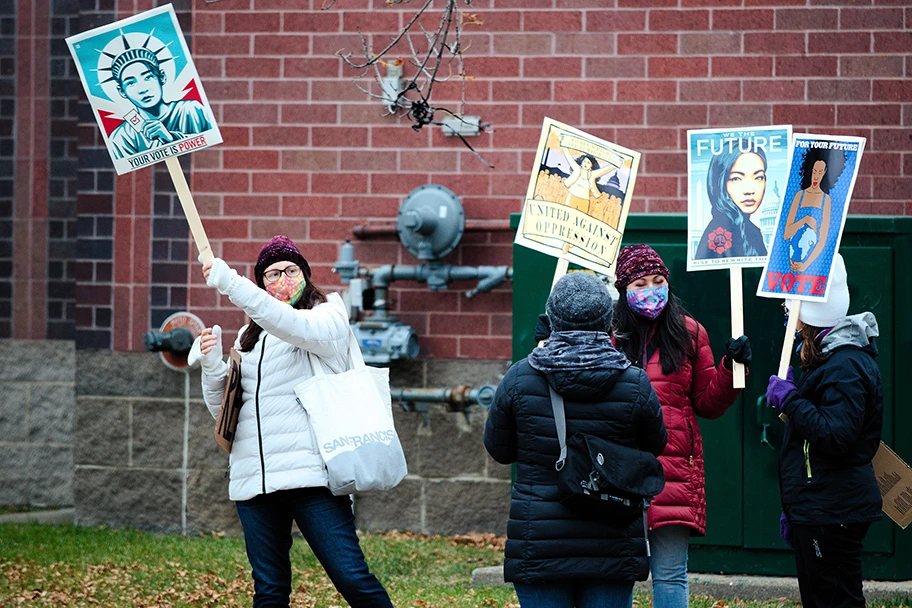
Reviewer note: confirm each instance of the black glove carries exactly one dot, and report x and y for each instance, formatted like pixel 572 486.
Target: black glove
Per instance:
pixel 542 328
pixel 737 349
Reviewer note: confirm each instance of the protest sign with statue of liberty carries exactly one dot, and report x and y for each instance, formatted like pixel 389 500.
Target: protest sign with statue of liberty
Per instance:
pixel 578 197
pixel 144 90
pixel 812 216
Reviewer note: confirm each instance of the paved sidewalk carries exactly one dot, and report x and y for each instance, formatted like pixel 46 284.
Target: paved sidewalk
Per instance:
pixel 55 516
pixel 735 586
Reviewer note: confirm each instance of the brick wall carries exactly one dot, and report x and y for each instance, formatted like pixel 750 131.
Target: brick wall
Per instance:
pixel 312 156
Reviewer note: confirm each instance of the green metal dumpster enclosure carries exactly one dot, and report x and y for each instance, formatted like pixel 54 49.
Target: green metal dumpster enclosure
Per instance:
pixel 742 447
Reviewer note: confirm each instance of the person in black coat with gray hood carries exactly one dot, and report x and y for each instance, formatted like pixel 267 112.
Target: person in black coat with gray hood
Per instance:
pixel 830 495
pixel 555 556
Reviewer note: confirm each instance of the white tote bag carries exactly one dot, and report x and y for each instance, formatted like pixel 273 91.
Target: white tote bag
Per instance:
pixel 352 420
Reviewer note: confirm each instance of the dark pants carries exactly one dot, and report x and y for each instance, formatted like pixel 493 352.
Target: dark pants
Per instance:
pixel 828 559
pixel 327 523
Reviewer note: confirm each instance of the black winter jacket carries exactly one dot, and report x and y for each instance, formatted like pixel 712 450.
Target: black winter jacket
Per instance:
pixel 545 541
pixel 833 432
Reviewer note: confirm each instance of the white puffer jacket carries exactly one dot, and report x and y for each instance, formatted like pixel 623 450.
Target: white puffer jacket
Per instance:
pixel 274 447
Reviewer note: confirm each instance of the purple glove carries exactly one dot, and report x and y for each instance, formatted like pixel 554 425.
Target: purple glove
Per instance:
pixel 778 389
pixel 785 530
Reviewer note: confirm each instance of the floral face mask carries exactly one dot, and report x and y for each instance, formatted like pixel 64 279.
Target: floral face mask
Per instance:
pixel 649 302
pixel 287 290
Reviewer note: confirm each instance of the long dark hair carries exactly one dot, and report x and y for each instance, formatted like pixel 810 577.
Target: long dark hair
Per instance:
pixel 811 354
pixel 723 207
pixel 835 161
pixel 312 296
pixel 671 336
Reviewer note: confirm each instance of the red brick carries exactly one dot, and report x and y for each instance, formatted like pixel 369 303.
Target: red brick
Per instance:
pixel 524 44
pixel 613 114
pixel 805 115
pixel 665 162
pixel 410 160
pixel 274 90
pixel 907 164
pixel 317 21
pixel 220 45
pixel 398 137
pixel 740 115
pixel 210 67
pixel 807 19
pixel 278 181
pixel 485 348
pixel 281 136
pixel 584 44
pixel 892 90
pixel 676 115
pixel 502 325
pixel 710 90
pixel 894 188
pixel 870 18
pixel 487 208
pixel 774 90
pixel 667 206
pixel 281 44
pixel 821 65
pixel 647 44
pixel 678 20
pixel 767 43
pixel 331 230
pixel 839 90
pixel 220 228
pixel 646 90
pixel 339 137
pixel 678 67
pixel 710 2
pixel 653 185
pixel 500 21
pixel 370 21
pixel 533 114
pixel 717 43
pixel 583 90
pixel 844 42
pixel 510 185
pixel 521 90
pixel 400 183
pixel 506 162
pixel 870 65
pixel 648 138
pixel 310 206
pixel 615 67
pixel 311 67
pixel 250 113
pixel 892 42
pixel 442 324
pixel 219 90
pixel 461 90
pixel 549 67
pixel 235 136
pixel 220 181
pixel 742 66
pixel 741 19
pixel 498 67
pixel 208 23
pixel 424 300
pixel 333 44
pixel 251 159
pixel 880 163
pixel 876 114
pixel 615 20
pixel 647 3
pixel 488 255
pixel 300 113
pixel 552 21
pixel 439 348
pixel 338 183
pixel 368 160
pixel 369 206
pixel 247 205
pixel 310 160
pixel 238 22
pixel 252 67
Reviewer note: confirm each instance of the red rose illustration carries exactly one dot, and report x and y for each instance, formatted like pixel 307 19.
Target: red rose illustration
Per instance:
pixel 720 240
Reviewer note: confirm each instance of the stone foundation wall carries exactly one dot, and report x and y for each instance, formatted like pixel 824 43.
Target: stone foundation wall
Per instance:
pixel 37 410
pixel 129 457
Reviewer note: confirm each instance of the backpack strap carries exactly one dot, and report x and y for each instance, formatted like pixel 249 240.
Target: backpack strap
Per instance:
pixel 557 406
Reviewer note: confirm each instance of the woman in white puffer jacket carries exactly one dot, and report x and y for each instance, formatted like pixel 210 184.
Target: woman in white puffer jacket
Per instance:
pixel 277 473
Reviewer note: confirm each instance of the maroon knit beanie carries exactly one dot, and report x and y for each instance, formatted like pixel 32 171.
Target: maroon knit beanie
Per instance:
pixel 635 261
pixel 280 248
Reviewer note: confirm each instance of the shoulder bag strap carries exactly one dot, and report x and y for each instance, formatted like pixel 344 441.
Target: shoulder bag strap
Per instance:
pixel 354 356
pixel 557 405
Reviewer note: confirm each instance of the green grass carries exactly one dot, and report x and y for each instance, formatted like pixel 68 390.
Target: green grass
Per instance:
pixel 43 566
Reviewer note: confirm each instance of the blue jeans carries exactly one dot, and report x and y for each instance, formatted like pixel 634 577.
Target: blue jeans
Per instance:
pixel 581 594
pixel 328 525
pixel 668 566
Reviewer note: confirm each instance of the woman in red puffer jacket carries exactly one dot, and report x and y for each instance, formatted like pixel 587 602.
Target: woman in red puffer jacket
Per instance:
pixel 658 335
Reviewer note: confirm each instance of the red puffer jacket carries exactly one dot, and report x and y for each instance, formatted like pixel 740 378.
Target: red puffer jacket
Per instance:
pixel 698 388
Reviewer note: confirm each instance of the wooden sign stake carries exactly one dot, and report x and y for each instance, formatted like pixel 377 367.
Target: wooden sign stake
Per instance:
pixel 787 345
pixel 186 200
pixel 737 321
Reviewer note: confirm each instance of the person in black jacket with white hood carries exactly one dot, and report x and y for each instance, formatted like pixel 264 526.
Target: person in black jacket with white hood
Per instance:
pixel 830 495
pixel 555 557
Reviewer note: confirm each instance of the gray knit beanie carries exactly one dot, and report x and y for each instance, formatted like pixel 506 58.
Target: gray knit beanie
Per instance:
pixel 580 302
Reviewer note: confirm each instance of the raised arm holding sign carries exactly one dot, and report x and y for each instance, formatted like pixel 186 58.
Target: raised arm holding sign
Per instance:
pixel 147 98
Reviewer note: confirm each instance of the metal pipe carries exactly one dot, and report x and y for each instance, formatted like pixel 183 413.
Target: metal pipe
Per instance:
pixel 456 398
pixel 367 231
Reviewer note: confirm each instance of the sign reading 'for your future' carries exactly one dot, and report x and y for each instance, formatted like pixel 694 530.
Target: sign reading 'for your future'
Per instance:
pixel 144 90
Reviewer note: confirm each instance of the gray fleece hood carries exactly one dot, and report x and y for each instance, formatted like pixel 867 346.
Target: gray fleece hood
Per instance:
pixel 854 330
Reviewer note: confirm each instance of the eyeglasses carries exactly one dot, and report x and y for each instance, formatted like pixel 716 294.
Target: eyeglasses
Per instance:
pixel 292 272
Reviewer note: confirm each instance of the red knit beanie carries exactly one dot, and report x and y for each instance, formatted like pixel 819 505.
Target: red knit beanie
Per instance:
pixel 635 261
pixel 279 248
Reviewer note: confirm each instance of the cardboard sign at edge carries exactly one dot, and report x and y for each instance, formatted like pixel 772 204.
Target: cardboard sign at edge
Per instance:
pixel 895 480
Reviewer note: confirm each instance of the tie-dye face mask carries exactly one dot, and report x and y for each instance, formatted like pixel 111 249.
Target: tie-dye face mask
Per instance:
pixel 287 290
pixel 649 302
